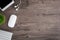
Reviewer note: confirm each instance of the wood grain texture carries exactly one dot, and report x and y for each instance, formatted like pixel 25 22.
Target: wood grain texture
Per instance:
pixel 40 20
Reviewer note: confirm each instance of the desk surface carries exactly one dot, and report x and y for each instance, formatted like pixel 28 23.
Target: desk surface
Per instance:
pixel 39 21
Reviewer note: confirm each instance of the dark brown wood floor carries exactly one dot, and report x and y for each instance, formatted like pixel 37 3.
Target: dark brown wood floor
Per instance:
pixel 38 20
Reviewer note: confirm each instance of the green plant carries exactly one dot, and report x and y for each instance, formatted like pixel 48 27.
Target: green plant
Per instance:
pixel 2 19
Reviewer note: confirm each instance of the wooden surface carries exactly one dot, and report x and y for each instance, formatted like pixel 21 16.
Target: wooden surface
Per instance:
pixel 40 20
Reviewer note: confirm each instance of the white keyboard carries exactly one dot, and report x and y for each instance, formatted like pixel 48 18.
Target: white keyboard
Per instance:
pixel 5 35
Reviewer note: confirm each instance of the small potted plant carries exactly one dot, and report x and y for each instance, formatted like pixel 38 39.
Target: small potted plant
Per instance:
pixel 2 19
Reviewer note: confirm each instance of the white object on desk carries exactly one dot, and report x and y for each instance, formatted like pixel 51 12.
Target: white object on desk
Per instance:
pixel 4 35
pixel 12 21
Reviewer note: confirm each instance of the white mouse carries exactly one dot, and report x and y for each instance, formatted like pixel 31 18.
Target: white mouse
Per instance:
pixel 12 21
